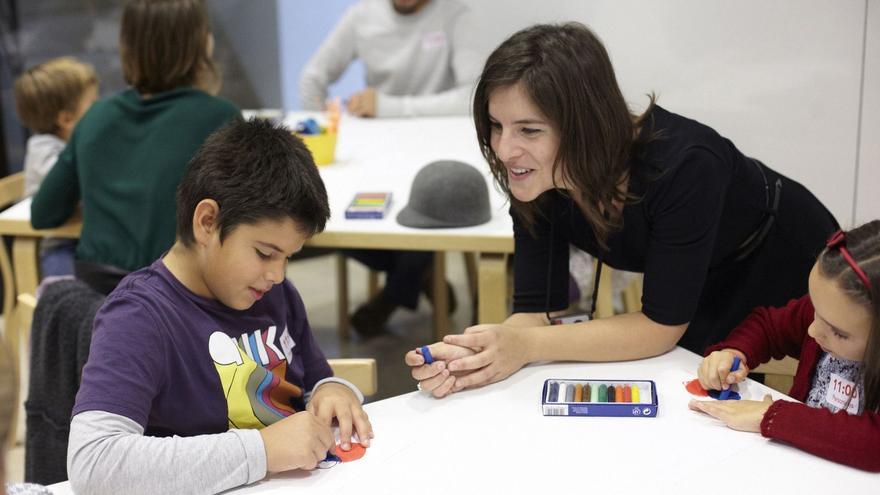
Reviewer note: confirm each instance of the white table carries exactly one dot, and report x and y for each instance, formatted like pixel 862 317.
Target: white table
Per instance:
pixel 495 440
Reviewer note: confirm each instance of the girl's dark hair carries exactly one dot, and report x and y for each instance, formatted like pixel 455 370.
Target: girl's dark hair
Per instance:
pixel 164 45
pixel 863 244
pixel 254 170
pixel 566 71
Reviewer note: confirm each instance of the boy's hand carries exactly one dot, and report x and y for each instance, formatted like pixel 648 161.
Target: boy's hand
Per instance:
pixel 335 400
pixel 742 415
pixel 434 378
pixel 299 441
pixel 714 371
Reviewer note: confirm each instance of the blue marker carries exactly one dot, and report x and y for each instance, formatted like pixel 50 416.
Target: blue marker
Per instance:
pixel 426 353
pixel 726 392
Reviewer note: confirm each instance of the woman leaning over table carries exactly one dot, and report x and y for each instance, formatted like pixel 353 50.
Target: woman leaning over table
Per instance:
pixel 715 233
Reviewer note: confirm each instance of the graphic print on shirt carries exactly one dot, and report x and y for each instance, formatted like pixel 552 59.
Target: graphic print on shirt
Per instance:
pixel 252 373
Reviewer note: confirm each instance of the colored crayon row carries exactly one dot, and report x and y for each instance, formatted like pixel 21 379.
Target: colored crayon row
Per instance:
pixel 576 392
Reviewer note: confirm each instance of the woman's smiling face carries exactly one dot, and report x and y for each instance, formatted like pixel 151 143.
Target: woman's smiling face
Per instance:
pixel 525 141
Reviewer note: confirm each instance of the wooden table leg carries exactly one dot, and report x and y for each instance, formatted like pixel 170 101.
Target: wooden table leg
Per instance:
pixel 342 295
pixel 492 284
pixel 8 287
pixel 440 297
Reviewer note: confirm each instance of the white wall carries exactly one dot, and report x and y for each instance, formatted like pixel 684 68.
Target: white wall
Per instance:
pixel 302 28
pixel 868 189
pixel 780 79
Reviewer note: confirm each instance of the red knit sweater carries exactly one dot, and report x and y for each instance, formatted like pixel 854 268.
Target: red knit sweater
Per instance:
pixel 768 333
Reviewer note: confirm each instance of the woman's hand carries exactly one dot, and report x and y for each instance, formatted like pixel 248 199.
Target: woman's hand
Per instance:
pixel 435 378
pixel 714 371
pixel 502 350
pixel 742 415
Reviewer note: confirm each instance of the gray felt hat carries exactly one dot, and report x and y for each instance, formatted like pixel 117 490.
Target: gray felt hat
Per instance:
pixel 447 194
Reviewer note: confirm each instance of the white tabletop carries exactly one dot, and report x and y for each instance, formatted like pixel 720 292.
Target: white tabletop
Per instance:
pixel 381 155
pixel 18 211
pixel 496 440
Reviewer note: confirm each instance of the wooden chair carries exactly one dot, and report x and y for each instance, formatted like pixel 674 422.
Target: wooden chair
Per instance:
pixel 779 373
pixel 11 192
pixel 360 372
pixel 631 294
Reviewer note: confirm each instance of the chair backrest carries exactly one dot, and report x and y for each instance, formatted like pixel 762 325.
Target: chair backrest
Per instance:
pixel 779 373
pixel 360 372
pixel 11 189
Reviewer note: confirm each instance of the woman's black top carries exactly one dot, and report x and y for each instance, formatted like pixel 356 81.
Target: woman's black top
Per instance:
pixel 700 199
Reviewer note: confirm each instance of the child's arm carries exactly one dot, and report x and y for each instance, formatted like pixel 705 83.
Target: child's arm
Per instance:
pixel 108 453
pixel 840 437
pixel 58 195
pixel 770 333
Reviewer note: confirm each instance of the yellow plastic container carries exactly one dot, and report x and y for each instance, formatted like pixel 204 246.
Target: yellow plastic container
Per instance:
pixel 322 146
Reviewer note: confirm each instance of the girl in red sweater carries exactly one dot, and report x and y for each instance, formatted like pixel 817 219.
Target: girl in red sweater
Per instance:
pixel 835 333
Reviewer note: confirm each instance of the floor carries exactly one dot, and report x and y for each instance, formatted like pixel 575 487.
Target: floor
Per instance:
pixel 406 329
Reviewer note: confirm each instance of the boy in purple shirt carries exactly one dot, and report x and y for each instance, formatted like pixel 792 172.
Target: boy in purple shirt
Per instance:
pixel 203 372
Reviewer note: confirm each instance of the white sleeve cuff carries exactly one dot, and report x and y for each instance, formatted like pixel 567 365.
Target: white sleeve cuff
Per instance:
pixel 255 452
pixel 335 379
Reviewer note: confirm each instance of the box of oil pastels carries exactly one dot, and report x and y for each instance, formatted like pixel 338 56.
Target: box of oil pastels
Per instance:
pixel 632 398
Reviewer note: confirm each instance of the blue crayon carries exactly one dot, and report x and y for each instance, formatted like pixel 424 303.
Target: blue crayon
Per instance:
pixel 553 393
pixel 726 392
pixel 426 353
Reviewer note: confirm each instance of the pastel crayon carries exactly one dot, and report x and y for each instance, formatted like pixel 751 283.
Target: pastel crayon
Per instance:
pixel 603 393
pixel 578 393
pixel 627 393
pixel 594 393
pixel 561 395
pixel 569 392
pixel 635 393
pixel 611 392
pixel 553 393
pixel 587 392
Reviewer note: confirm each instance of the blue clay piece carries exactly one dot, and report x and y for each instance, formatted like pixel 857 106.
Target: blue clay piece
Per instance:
pixel 716 393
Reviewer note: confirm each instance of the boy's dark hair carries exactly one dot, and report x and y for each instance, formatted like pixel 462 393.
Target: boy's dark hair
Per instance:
pixel 254 170
pixel 863 244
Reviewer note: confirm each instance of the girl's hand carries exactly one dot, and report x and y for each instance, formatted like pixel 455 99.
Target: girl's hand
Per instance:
pixel 335 400
pixel 435 378
pixel 742 415
pixel 501 352
pixel 714 371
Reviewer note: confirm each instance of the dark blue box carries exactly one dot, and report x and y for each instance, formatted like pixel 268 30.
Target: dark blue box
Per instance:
pixel 558 398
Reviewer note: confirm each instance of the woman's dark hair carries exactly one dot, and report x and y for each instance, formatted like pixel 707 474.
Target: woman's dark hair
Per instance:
pixel 567 73
pixel 254 170
pixel 863 244
pixel 164 45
